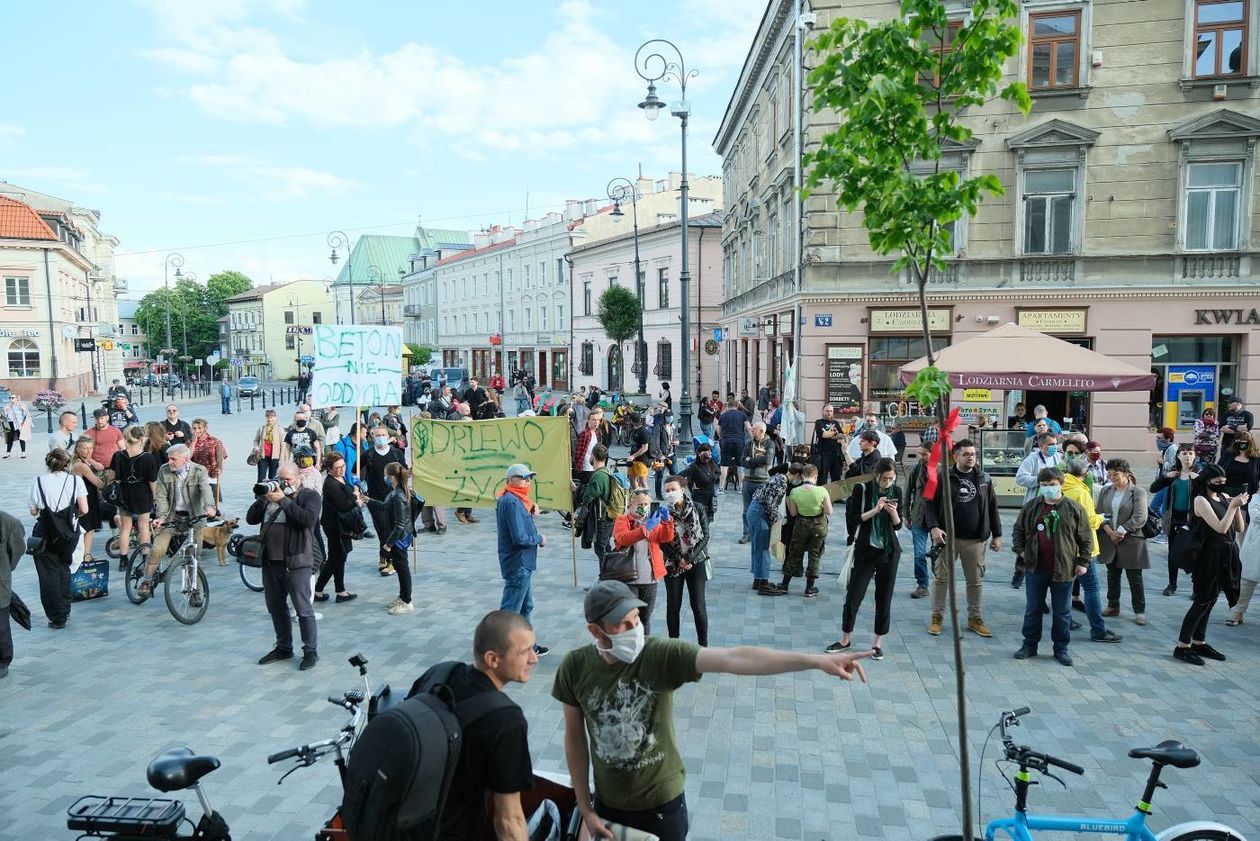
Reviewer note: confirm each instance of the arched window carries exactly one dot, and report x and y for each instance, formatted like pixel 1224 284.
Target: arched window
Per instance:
pixel 23 358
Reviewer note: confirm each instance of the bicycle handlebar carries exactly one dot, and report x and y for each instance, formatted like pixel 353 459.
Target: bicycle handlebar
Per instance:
pixel 283 755
pixel 1025 755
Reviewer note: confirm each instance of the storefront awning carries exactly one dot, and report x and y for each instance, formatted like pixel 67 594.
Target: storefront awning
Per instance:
pixel 1014 357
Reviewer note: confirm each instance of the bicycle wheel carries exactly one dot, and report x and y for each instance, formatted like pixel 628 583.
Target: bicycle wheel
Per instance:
pixel 113 547
pixel 251 577
pixel 135 572
pixel 187 597
pixel 1205 834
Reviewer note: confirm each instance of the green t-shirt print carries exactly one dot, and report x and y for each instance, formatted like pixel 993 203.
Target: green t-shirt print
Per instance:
pixel 629 713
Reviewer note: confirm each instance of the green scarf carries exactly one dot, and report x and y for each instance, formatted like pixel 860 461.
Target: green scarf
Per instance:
pixel 881 536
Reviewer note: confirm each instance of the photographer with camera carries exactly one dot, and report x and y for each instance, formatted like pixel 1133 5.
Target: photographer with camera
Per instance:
pixel 289 515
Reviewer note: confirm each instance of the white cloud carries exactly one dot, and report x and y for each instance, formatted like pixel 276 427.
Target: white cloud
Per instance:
pixel 77 180
pixel 269 181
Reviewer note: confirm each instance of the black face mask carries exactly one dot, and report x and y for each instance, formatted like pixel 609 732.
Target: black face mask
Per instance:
pixel 1241 446
pixel 1216 486
pixel 299 424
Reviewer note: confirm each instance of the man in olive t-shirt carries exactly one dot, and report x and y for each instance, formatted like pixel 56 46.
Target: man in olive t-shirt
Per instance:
pixel 618 711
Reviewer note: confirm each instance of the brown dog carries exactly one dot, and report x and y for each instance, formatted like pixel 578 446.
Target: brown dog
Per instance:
pixel 217 537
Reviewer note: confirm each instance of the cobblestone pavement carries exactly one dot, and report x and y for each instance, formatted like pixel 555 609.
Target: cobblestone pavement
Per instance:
pixel 797 757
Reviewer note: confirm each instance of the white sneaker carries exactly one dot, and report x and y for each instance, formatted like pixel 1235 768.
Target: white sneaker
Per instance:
pixel 394 601
pixel 401 607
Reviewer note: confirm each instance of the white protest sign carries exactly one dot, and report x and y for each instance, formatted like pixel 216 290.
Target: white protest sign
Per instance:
pixel 356 365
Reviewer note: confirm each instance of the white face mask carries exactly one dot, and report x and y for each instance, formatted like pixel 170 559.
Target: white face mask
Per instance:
pixel 626 646
pixel 673 497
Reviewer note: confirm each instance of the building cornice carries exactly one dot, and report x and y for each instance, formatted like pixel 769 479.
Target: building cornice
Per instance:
pixel 1057 298
pixel 760 54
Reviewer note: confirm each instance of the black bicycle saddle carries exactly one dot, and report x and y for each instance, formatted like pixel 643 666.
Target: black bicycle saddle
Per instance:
pixel 1170 752
pixel 179 768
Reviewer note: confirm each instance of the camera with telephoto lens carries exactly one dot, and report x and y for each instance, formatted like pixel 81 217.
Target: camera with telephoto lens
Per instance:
pixel 271 486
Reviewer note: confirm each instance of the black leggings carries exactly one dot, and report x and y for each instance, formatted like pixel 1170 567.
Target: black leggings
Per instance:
pixel 11 436
pixel 1177 518
pixel 399 559
pixel 334 563
pixel 885 575
pixel 694 579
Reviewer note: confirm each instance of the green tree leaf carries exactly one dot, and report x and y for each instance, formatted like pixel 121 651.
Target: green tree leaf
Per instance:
pixel 619 313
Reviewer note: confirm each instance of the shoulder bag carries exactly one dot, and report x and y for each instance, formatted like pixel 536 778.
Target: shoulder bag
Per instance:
pixel 1153 527
pixel 249 551
pixel 1186 544
pixel 618 564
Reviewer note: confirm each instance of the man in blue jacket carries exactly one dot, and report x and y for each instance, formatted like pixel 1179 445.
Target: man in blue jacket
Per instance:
pixel 518 543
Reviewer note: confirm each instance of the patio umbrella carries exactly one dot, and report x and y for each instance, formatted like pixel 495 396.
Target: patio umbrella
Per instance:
pixel 1014 357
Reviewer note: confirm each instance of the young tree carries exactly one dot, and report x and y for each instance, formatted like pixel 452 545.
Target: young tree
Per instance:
pixel 619 314
pixel 898 90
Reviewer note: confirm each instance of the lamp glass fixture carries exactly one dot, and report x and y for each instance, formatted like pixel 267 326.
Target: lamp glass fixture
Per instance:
pixel 332 258
pixel 616 211
pixel 652 104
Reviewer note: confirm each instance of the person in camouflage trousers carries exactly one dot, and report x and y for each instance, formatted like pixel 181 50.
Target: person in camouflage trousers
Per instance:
pixel 810 506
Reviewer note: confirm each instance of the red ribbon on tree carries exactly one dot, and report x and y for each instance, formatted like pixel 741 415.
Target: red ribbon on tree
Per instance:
pixel 943 445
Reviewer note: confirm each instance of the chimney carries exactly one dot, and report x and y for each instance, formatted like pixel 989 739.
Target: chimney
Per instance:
pixel 643 186
pixel 572 210
pixel 592 207
pixel 481 239
pixel 554 218
pixel 530 225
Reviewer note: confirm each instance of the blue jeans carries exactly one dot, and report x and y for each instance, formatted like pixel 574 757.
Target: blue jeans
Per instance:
pixel 227 404
pixel 921 573
pixel 516 593
pixel 1036 583
pixel 522 405
pixel 1091 595
pixel 1159 502
pixel 706 429
pixel 759 530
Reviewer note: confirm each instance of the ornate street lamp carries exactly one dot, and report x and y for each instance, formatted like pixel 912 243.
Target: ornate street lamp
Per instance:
pixel 619 190
pixel 338 239
pixel 375 274
pixel 660 60
pixel 177 260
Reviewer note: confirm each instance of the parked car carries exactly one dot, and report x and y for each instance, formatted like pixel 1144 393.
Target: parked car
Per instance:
pixel 141 380
pixel 248 387
pixel 170 380
pixel 456 378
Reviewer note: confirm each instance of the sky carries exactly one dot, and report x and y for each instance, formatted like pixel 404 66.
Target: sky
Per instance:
pixel 239 133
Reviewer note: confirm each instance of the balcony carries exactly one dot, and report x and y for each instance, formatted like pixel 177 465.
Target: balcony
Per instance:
pixel 412 310
pixel 1209 266
pixel 1054 271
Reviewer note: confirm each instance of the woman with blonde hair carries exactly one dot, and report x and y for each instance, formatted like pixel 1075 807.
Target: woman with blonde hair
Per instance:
pixel 17 425
pixel 210 453
pixel 81 466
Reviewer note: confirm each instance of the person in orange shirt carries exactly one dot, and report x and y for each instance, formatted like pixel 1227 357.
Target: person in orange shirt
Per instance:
pixel 644 532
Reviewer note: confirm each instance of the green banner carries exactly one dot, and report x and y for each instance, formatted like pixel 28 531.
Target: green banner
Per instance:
pixel 464 463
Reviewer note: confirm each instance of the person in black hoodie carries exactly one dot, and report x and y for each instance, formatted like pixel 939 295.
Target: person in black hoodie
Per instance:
pixel 976 521
pixel 381 454
pixel 289 517
pixel 1241 463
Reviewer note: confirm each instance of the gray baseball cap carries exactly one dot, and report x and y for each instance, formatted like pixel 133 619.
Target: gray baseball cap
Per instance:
pixel 520 471
pixel 608 602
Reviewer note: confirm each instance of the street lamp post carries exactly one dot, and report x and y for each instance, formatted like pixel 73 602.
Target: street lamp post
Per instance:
pixel 177 260
pixel 618 190
pixel 298 328
pixel 338 239
pixel 183 323
pixel 375 274
pixel 655 61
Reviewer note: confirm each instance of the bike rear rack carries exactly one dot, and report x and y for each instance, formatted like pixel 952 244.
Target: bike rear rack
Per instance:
pixel 149 816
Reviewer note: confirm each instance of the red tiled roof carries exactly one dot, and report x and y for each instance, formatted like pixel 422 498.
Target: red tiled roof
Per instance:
pixel 20 221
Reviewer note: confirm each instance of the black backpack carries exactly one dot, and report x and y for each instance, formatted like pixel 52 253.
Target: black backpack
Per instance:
pixel 401 768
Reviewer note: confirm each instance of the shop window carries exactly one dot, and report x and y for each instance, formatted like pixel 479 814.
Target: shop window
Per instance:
pixel 888 354
pixel 23 358
pixel 1219 44
pixel 664 360
pixel 17 291
pixel 1054 50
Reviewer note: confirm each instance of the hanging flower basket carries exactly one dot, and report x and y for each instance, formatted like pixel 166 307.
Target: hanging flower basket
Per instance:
pixel 48 401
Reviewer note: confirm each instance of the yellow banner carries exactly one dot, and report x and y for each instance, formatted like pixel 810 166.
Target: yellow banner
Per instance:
pixel 464 463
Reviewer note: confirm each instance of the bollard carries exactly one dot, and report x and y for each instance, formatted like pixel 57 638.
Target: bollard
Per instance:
pixel 251 403
pixel 83 415
pixel 48 412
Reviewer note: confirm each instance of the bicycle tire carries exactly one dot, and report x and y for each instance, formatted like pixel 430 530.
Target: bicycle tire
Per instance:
pixel 135 572
pixel 1205 835
pixel 251 577
pixel 113 547
pixel 179 596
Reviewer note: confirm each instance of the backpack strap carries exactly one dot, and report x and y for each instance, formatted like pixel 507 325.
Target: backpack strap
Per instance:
pixel 469 711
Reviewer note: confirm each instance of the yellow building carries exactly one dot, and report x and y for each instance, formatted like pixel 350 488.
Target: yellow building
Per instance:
pixel 266 331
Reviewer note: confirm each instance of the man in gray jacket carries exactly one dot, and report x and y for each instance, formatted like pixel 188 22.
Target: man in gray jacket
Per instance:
pixel 12 545
pixel 183 491
pixel 759 456
pixel 289 516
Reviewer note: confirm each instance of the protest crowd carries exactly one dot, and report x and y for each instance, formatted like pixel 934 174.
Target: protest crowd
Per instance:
pixel 336 500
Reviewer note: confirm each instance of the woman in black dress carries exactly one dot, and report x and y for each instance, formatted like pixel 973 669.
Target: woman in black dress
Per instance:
pixel 339 499
pixel 136 471
pixel 1218 568
pixel 81 466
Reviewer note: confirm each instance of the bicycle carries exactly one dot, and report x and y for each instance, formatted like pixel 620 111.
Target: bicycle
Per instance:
pixel 248 563
pixel 1019 826
pixel 186 589
pixel 180 769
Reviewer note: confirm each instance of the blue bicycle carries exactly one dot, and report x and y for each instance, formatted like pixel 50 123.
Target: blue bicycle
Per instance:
pixel 1019 827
